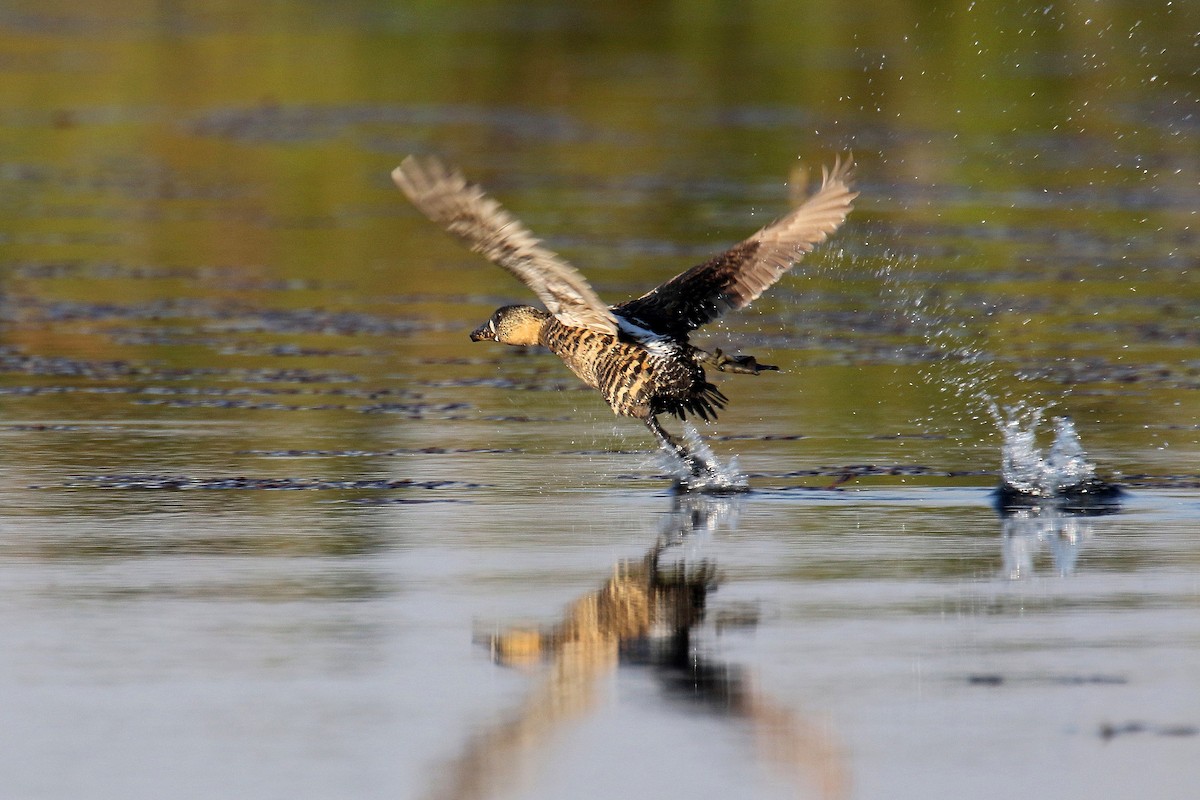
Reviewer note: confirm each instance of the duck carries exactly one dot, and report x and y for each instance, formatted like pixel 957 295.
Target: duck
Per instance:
pixel 635 353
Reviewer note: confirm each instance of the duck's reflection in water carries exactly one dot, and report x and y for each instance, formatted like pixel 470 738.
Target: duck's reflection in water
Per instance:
pixel 646 615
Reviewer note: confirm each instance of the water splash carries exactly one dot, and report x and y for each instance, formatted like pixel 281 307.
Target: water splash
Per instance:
pixel 701 471
pixel 955 359
pixel 1022 467
pixel 1062 473
pixel 1067 465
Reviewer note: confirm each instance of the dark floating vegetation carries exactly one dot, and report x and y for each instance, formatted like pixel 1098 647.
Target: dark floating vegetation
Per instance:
pixel 403 501
pixel 757 437
pixel 56 427
pixel 1101 372
pixel 1145 481
pixel 840 474
pixel 182 482
pixel 409 410
pixel 494 382
pixel 851 471
pixel 222 317
pixel 396 451
pixel 13 362
pixel 202 391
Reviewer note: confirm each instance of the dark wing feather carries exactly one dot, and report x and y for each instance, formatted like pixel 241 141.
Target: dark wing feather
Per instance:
pixel 485 227
pixel 736 277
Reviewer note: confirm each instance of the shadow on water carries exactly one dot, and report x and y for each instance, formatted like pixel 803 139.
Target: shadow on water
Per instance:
pixel 646 616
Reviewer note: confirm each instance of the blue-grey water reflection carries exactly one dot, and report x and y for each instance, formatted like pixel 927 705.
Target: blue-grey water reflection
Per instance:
pixel 782 644
pixel 271 526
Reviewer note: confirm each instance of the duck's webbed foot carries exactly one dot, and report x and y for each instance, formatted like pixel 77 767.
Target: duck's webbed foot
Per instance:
pixel 745 365
pixel 697 465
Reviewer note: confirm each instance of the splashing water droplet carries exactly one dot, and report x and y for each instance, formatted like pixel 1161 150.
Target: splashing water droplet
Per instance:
pixel 957 362
pixel 1064 470
pixel 701 471
pixel 1067 465
pixel 1021 463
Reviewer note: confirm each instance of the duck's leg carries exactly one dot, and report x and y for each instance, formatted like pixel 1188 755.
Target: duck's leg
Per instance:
pixel 695 463
pixel 665 440
pixel 746 365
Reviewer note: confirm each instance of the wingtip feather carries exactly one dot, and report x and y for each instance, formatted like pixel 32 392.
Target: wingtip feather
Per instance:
pixel 842 171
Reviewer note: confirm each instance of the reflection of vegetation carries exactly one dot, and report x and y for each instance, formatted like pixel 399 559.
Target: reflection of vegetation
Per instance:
pixel 643 616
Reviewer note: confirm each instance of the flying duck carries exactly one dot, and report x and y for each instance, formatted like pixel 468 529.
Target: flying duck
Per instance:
pixel 636 353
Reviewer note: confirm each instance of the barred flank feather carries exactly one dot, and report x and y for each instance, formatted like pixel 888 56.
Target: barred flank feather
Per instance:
pixel 636 381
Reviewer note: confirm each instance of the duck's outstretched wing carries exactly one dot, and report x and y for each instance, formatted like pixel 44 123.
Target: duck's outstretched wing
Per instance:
pixel 485 227
pixel 743 272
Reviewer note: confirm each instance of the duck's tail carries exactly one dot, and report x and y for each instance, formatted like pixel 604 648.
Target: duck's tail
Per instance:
pixel 704 403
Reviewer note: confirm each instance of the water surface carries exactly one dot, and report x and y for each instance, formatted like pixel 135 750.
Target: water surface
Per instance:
pixel 273 527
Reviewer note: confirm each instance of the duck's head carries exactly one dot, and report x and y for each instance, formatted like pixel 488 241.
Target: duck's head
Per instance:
pixel 516 325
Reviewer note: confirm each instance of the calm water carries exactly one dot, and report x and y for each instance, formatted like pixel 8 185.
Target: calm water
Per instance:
pixel 272 527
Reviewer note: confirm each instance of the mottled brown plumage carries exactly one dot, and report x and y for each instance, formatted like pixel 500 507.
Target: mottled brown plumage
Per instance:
pixel 635 380
pixel 635 354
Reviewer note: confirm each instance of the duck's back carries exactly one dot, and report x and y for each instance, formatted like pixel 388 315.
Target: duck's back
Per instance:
pixel 636 380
